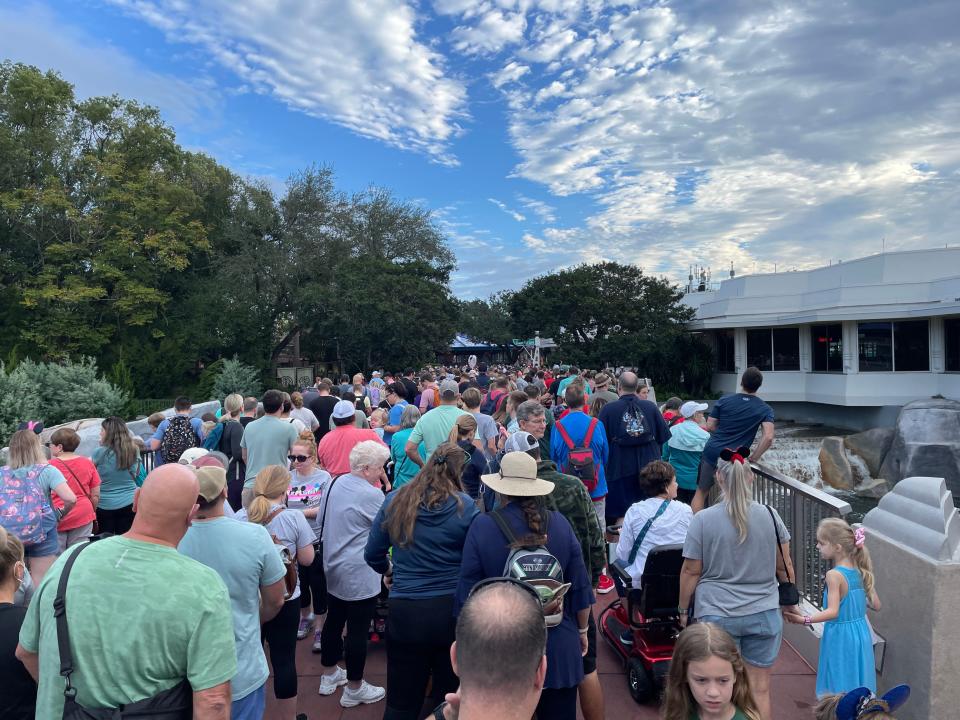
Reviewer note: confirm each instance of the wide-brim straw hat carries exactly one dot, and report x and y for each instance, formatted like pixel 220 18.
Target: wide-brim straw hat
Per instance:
pixel 518 477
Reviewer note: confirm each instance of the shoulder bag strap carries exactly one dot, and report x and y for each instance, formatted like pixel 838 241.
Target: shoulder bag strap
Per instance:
pixel 564 435
pixel 644 530
pixel 504 526
pixel 79 484
pixel 272 515
pixel 779 545
pixel 63 634
pixel 326 504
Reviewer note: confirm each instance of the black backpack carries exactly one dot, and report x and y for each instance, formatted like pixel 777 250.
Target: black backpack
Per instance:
pixel 178 437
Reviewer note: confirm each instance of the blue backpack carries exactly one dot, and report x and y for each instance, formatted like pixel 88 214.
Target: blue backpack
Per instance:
pixel 23 505
pixel 212 441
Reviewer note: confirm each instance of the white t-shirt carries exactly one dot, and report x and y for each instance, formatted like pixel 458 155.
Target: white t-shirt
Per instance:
pixel 668 529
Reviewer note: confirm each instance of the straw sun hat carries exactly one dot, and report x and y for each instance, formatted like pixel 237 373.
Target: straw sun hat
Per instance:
pixel 518 477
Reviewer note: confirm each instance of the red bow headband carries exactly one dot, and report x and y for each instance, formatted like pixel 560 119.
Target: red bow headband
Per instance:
pixel 739 455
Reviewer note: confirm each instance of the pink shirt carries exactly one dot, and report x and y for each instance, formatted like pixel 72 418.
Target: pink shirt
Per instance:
pixel 333 452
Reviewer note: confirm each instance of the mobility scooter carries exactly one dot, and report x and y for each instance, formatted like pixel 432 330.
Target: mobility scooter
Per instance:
pixel 650 616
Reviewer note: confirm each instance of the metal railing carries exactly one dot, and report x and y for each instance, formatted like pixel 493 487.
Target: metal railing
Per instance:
pixel 801 508
pixel 149 458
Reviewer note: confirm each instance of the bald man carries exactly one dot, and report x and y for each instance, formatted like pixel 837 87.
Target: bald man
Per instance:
pixel 635 433
pixel 142 618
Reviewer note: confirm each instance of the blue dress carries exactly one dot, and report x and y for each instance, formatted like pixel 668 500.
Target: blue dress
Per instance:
pixel 846 649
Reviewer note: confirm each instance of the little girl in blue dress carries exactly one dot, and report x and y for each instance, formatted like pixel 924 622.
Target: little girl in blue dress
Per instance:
pixel 846 648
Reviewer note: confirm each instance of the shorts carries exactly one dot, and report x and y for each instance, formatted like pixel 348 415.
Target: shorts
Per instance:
pixel 51 543
pixel 757 635
pixel 600 508
pixel 590 659
pixel 706 474
pixel 250 707
pixel 69 538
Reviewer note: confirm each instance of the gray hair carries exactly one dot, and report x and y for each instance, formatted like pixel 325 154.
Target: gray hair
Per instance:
pixel 411 413
pixel 368 453
pixel 529 410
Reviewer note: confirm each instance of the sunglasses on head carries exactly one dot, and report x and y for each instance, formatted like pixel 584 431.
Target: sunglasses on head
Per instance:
pixel 298 458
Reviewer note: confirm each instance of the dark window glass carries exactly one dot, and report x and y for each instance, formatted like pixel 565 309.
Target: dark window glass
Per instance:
pixel 725 354
pixel 758 349
pixel 911 345
pixel 951 334
pixel 826 347
pixel 786 349
pixel 875 343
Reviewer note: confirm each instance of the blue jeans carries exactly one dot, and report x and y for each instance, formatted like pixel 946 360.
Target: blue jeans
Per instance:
pixel 250 707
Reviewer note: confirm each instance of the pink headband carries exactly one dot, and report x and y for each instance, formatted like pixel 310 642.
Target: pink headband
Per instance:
pixel 859 536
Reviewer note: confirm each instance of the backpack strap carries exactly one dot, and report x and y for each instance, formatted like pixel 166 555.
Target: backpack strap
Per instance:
pixel 504 526
pixel 589 436
pixel 63 634
pixel 564 435
pixel 643 532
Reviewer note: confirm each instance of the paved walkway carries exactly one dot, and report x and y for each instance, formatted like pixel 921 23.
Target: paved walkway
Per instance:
pixel 792 687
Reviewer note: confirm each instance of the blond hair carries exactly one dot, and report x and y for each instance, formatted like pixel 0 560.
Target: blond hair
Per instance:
pixel 25 450
pixel 232 406
pixel 11 552
pixel 736 479
pixel 698 643
pixel 836 531
pixel 306 440
pixel 271 482
pixel 826 709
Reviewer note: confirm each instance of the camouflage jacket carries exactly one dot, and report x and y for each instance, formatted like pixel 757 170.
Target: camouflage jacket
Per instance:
pixel 572 500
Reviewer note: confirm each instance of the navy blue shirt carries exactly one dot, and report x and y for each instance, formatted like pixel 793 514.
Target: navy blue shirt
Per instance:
pixel 484 556
pixel 738 417
pixel 636 431
pixel 430 565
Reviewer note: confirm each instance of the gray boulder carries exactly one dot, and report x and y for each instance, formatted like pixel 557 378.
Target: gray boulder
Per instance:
pixel 872 447
pixel 835 469
pixel 926 443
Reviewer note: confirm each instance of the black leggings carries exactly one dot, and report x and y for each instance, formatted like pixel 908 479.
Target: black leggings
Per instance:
pixel 280 634
pixel 115 521
pixel 313 584
pixel 356 615
pixel 558 704
pixel 419 635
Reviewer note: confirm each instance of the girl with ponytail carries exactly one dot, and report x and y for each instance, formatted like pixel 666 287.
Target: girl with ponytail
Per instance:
pixel 731 559
pixel 18 691
pixel 846 650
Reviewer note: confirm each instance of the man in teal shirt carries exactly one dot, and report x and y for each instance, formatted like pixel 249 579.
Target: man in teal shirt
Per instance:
pixel 246 559
pixel 266 441
pixel 142 617
pixel 434 427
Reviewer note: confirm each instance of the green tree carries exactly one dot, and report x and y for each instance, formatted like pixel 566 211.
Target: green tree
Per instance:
pixel 487 320
pixel 235 377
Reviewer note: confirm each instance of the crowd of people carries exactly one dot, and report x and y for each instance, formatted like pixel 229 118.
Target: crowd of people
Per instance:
pixel 465 511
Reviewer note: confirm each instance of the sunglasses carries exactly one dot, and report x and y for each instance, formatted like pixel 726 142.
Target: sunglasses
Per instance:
pixel 298 458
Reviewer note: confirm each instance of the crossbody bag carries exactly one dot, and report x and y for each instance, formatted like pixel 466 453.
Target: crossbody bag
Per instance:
pixel 624 564
pixel 789 595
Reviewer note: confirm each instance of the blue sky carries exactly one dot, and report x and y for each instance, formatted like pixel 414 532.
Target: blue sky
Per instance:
pixel 543 133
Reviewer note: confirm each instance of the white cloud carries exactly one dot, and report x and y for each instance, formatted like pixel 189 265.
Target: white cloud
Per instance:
pixel 509 73
pixel 492 32
pixel 512 213
pixel 357 63
pixel 546 213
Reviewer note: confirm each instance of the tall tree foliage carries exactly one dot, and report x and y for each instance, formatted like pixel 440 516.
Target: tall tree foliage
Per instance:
pixel 118 244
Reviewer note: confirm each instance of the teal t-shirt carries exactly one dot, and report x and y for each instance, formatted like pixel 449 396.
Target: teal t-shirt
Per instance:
pixel 404 469
pixel 246 559
pixel 142 617
pixel 267 440
pixel 435 426
pixel 738 715
pixel 117 485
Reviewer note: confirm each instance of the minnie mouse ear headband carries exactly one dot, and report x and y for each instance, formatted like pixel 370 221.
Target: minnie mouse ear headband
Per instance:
pixel 739 455
pixel 34 425
pixel 860 704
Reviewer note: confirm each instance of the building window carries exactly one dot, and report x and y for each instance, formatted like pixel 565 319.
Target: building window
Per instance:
pixel 902 346
pixel 726 361
pixel 951 336
pixel 826 347
pixel 786 349
pixel 759 348
pixel 774 349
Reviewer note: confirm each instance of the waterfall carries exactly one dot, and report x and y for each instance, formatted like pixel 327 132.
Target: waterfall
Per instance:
pixel 796 453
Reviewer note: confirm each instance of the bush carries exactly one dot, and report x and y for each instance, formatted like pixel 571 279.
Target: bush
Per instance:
pixel 55 393
pixel 235 377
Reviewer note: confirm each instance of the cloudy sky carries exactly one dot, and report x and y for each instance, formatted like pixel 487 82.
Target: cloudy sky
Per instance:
pixel 543 133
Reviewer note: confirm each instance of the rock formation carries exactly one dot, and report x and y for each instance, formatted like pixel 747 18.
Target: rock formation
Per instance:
pixel 872 446
pixel 835 469
pixel 926 443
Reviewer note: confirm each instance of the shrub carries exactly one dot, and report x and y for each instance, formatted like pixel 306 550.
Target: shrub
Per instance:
pixel 55 393
pixel 235 377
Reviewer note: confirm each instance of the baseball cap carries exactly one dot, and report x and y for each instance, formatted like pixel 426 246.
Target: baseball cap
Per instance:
pixel 191 454
pixel 690 407
pixel 520 441
pixel 344 409
pixel 449 389
pixel 212 481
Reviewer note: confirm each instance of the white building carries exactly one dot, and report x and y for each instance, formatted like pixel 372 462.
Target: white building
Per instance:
pixel 847 344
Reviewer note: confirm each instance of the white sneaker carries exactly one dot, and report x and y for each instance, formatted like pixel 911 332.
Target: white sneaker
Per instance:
pixel 366 693
pixel 330 683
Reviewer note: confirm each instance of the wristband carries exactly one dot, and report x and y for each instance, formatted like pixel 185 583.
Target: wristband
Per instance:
pixel 682 610
pixel 583 631
pixel 807 620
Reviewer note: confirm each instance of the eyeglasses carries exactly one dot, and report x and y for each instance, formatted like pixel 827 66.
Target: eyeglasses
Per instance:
pixel 510 580
pixel 298 458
